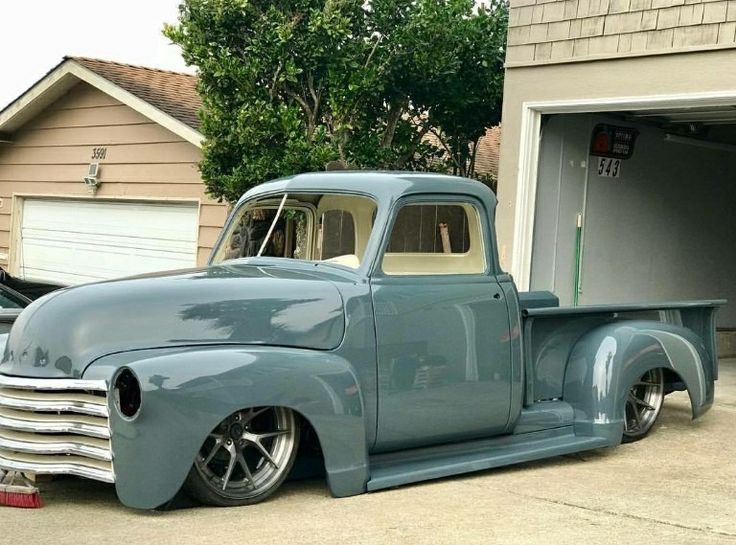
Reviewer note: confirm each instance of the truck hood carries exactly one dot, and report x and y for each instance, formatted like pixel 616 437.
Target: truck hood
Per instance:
pixel 59 335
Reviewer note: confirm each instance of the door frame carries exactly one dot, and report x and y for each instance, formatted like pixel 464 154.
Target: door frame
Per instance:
pixel 493 269
pixel 529 148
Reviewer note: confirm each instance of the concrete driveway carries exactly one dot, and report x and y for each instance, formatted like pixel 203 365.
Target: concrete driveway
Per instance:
pixel 677 486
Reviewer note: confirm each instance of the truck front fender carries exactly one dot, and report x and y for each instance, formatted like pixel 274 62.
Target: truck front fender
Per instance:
pixel 608 360
pixel 187 392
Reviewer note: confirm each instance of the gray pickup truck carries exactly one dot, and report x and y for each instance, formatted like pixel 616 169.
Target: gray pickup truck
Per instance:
pixel 361 316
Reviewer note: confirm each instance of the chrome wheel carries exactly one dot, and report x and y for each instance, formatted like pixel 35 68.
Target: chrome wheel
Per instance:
pixel 643 405
pixel 246 457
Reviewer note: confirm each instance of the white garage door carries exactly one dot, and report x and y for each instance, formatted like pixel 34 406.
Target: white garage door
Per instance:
pixel 72 242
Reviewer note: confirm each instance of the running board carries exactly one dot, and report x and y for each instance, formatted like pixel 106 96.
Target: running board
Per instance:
pixel 399 468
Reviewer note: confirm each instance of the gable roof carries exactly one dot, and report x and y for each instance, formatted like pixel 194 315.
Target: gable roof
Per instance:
pixel 167 98
pixel 171 92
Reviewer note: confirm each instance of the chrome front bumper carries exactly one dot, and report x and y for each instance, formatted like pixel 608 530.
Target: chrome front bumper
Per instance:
pixel 55 426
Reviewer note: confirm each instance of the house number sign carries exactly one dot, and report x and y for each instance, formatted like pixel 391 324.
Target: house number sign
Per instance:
pixel 99 153
pixel 609 168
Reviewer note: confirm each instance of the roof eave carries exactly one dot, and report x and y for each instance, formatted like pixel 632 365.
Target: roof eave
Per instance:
pixel 67 74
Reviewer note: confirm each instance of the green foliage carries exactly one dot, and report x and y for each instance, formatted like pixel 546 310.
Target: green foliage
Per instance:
pixel 290 85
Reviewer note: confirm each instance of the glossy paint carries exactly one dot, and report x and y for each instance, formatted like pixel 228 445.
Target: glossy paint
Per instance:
pixel 444 356
pixel 234 303
pixel 545 415
pixel 551 333
pixel 403 379
pixel 398 468
pixel 185 393
pixel 516 349
pixel 444 360
pixel 607 360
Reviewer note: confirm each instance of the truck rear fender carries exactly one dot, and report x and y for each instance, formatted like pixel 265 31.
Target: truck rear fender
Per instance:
pixel 185 395
pixel 608 360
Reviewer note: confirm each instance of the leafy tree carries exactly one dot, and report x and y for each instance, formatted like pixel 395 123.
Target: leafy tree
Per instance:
pixel 290 85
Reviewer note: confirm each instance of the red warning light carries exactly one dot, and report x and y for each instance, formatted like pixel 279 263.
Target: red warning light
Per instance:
pixel 601 143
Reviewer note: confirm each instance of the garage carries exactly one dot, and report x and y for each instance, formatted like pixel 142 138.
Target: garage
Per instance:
pixel 593 226
pixel 655 225
pixel 70 242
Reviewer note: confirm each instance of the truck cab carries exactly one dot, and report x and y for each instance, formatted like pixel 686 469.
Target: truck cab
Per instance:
pixel 424 251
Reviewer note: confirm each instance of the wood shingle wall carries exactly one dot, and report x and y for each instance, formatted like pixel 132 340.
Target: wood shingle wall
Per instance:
pixel 548 31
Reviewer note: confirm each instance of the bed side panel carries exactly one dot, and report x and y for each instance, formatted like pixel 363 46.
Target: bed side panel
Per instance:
pixel 551 333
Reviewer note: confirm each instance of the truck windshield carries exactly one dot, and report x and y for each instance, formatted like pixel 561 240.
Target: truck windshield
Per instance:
pixel 317 227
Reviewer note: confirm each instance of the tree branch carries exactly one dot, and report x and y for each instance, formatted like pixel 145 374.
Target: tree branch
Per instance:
pixel 303 103
pixel 392 123
pixel 473 155
pixel 413 149
pixel 373 50
pixel 272 90
pixel 447 149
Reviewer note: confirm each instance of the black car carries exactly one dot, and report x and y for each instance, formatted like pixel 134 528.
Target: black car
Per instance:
pixel 11 303
pixel 29 290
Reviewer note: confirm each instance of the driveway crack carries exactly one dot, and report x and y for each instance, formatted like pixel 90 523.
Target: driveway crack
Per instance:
pixel 624 515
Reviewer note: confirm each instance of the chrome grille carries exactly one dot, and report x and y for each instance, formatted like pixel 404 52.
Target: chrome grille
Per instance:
pixel 55 426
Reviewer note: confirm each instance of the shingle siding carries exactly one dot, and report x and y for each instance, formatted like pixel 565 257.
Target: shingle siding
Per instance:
pixel 542 31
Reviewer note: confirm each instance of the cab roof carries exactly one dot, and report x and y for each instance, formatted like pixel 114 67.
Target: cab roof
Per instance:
pixel 383 186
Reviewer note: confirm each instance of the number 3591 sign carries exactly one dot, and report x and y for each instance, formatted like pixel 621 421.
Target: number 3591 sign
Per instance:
pixel 609 168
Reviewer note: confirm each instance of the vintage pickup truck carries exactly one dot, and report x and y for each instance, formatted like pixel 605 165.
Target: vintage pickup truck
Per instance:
pixel 361 314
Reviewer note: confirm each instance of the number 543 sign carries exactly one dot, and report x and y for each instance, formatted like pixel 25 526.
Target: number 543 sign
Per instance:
pixel 608 167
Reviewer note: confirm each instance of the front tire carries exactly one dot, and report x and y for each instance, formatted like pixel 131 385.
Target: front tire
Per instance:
pixel 245 458
pixel 643 404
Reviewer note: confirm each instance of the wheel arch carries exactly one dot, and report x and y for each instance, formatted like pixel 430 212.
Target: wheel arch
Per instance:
pixel 606 361
pixel 185 394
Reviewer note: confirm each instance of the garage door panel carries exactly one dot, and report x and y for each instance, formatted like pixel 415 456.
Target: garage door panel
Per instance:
pixel 111 242
pixel 72 242
pixel 129 219
pixel 88 265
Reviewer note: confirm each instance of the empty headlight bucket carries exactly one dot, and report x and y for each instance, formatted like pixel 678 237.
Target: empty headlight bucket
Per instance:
pixel 127 392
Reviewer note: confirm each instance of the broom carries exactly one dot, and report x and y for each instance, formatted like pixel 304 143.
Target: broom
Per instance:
pixel 17 491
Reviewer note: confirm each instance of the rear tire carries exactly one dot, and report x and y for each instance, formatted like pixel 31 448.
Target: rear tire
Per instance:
pixel 245 458
pixel 643 404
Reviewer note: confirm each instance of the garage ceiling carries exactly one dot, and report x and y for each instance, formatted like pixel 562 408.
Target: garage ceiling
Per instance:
pixel 703 116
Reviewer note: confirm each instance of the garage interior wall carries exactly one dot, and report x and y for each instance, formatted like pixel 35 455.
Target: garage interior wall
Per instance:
pixel 662 231
pixel 50 155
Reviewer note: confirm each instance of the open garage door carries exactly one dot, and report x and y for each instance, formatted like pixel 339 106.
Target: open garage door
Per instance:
pixel 75 241
pixel 655 226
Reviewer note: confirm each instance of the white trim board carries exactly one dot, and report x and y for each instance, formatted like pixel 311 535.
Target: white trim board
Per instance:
pixel 67 74
pixel 526 182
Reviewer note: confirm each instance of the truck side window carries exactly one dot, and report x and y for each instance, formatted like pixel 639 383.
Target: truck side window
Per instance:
pixel 435 238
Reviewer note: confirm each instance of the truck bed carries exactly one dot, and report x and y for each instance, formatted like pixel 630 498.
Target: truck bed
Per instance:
pixel 550 331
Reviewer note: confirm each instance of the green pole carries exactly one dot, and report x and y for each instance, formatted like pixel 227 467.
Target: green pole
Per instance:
pixel 578 241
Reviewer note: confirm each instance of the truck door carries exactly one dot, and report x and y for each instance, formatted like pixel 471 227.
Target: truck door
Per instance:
pixel 442 326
